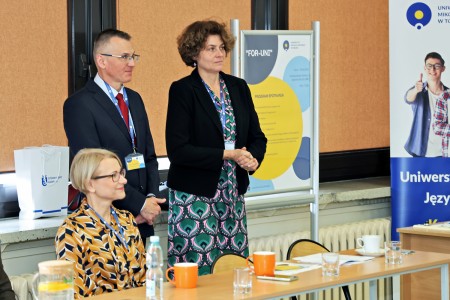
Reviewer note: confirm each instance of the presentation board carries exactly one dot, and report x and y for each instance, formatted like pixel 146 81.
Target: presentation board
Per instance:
pixel 278 67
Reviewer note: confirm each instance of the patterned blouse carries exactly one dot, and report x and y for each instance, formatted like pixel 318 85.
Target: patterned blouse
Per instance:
pixel 102 262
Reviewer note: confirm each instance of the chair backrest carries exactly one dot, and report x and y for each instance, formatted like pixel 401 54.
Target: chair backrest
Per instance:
pixel 305 247
pixel 228 261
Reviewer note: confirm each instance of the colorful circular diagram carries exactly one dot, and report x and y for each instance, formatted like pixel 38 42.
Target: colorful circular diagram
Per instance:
pixel 280 116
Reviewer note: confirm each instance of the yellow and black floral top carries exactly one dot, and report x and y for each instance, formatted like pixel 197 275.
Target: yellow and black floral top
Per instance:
pixel 101 262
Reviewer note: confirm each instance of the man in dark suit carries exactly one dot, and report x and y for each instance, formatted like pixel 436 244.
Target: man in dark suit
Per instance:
pixel 105 114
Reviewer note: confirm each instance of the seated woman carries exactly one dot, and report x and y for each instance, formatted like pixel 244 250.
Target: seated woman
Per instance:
pixel 102 241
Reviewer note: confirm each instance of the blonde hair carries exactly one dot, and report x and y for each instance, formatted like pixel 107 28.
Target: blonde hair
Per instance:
pixel 84 165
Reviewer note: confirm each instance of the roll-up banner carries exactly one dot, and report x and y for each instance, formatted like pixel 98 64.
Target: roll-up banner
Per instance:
pixel 419 52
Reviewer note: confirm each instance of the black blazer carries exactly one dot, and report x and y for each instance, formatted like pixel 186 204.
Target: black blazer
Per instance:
pixel 194 137
pixel 91 120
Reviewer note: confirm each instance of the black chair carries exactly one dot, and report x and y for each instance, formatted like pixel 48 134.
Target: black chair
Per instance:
pixel 305 247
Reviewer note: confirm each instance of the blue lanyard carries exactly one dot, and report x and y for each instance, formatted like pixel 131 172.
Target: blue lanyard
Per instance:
pixel 222 102
pixel 121 234
pixel 125 98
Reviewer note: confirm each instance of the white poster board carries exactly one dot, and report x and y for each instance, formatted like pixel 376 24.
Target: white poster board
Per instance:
pixel 278 67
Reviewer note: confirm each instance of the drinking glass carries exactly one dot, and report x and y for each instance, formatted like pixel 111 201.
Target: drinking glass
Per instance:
pixel 330 264
pixel 393 253
pixel 242 282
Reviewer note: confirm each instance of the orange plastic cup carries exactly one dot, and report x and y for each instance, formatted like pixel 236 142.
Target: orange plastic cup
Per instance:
pixel 263 263
pixel 185 275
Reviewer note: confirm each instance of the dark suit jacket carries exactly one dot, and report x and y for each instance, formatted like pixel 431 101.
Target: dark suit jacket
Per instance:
pixel 91 120
pixel 194 137
pixel 6 292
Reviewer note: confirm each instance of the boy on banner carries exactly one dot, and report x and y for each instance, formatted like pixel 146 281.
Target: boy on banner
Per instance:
pixel 422 97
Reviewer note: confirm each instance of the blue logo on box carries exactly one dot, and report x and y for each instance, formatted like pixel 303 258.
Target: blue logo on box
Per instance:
pixel 418 15
pixel 44 180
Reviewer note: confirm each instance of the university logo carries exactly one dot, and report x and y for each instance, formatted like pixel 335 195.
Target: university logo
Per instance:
pixel 418 15
pixel 286 45
pixel 44 180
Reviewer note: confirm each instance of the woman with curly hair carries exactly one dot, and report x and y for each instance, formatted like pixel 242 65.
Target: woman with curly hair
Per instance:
pixel 214 140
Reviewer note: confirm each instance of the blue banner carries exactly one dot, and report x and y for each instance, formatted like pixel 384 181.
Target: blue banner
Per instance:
pixel 420 190
pixel 420 187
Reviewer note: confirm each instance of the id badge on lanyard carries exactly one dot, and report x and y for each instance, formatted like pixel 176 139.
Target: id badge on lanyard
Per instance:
pixel 134 161
pixel 229 145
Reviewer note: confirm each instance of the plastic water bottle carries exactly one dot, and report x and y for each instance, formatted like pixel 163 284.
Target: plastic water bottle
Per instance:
pixel 154 278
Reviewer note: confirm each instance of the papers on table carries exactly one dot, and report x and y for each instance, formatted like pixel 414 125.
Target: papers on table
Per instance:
pixel 437 227
pixel 343 259
pixel 314 261
pixel 285 268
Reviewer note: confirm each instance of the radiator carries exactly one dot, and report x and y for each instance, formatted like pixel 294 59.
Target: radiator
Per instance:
pixel 336 238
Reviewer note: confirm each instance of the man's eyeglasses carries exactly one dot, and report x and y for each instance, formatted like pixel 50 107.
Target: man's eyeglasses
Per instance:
pixel 435 66
pixel 115 176
pixel 126 57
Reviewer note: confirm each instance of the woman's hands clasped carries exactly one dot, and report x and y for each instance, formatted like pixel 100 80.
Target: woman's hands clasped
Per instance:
pixel 243 158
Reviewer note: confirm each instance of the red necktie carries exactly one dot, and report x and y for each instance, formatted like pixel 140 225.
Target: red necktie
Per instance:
pixel 123 108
